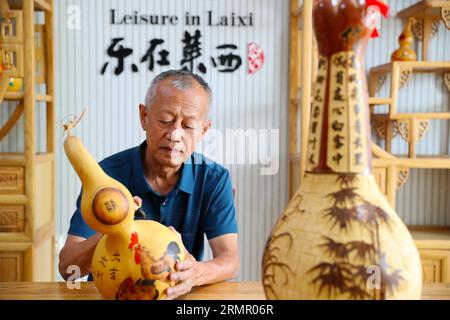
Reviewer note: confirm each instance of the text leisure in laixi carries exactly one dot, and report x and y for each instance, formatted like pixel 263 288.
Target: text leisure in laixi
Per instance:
pixel 211 19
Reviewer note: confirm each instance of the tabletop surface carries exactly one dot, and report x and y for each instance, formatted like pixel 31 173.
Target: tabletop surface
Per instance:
pixel 218 291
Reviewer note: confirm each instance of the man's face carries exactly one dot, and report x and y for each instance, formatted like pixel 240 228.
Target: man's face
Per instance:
pixel 175 123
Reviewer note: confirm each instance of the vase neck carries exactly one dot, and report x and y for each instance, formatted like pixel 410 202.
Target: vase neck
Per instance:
pixel 339 133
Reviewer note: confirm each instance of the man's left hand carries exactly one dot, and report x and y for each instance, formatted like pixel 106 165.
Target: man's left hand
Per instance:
pixel 186 275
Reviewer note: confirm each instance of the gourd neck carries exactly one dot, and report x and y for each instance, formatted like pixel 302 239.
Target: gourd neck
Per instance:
pixel 339 134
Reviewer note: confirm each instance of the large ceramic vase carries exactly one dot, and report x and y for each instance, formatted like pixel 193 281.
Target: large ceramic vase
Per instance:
pixel 339 238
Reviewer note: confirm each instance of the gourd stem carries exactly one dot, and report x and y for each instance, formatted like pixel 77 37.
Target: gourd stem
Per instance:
pixel 71 124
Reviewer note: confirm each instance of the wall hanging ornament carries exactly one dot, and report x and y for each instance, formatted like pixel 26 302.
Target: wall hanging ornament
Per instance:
pixel 133 259
pixel 339 238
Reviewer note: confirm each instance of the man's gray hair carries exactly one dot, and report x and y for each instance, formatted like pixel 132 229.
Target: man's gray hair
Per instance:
pixel 180 79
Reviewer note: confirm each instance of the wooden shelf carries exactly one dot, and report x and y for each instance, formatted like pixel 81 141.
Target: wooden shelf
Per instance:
pixel 419 162
pixel 379 101
pixel 44 98
pixel 401 72
pixel 13 199
pixel 13 96
pixel 7 159
pixel 372 101
pixel 426 237
pixel 17 96
pixel 405 116
pixel 44 157
pixel 39 5
pixel 428 9
pixel 18 159
pixel 42 5
pixel 416 66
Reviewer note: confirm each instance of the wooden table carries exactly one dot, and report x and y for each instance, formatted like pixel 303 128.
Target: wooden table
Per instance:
pixel 59 291
pixel 219 291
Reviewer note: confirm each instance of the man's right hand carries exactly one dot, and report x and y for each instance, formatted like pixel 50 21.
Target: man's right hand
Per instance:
pixel 137 202
pixel 78 251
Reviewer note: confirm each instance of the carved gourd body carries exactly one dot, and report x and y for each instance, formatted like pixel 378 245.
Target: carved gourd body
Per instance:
pixel 339 238
pixel 134 258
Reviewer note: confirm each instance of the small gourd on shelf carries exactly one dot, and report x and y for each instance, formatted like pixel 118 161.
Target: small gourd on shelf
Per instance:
pixel 14 83
pixel 133 260
pixel 406 41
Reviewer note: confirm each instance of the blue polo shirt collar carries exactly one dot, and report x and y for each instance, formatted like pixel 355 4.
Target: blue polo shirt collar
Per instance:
pixel 185 184
pixel 140 182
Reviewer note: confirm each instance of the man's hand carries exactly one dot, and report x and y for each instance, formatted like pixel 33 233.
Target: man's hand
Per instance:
pixel 186 275
pixel 137 202
pixel 191 273
pixel 188 272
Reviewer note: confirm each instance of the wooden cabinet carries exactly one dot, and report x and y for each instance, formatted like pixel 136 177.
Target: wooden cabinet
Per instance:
pixel 11 266
pixel 11 180
pixel 27 177
pixel 12 218
pixel 435 265
pixel 434 250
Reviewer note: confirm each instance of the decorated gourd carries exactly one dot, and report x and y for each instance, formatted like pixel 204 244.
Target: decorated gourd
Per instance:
pixel 339 238
pixel 14 84
pixel 406 41
pixel 133 259
pixel 4 81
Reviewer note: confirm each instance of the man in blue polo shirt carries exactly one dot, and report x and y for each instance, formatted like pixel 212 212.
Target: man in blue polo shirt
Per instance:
pixel 174 185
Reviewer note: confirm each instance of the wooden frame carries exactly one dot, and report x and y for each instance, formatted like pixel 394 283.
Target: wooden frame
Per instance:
pixel 40 54
pixel 293 76
pixel 33 237
pixel 412 124
pixel 300 78
pixel 17 17
pixel 14 54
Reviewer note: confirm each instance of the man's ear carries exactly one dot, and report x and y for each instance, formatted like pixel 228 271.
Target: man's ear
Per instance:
pixel 206 127
pixel 143 113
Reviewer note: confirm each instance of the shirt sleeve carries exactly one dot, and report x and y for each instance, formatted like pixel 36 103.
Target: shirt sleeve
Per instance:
pixel 221 214
pixel 78 226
